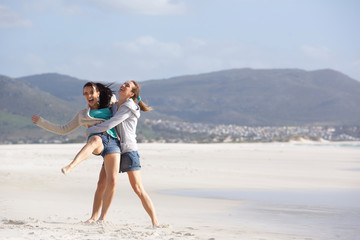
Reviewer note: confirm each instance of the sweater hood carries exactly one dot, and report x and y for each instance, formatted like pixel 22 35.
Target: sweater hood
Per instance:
pixel 134 108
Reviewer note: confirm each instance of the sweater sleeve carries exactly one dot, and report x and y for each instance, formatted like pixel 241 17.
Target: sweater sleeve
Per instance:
pixel 60 129
pixel 121 115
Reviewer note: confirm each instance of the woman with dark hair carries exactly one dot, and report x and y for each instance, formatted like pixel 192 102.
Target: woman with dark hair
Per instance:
pixel 99 97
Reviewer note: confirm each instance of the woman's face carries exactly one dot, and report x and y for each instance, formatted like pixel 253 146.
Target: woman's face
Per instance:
pixel 126 89
pixel 91 95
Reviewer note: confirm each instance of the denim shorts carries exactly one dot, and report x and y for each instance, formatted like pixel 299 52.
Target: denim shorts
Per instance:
pixel 111 145
pixel 130 161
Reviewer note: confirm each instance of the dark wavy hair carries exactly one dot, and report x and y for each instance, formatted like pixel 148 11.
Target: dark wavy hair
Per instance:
pixel 105 93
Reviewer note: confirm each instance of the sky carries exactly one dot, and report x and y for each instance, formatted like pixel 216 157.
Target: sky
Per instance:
pixel 119 40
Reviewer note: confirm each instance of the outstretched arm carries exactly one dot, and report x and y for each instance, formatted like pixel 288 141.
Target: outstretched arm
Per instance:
pixel 121 115
pixel 59 129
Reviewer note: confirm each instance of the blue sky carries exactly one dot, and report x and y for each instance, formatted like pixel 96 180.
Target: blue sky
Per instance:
pixel 118 40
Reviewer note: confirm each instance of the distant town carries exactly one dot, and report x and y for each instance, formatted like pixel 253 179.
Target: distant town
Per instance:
pixel 202 132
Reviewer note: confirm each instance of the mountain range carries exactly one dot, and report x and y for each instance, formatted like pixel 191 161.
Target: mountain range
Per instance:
pixel 274 97
pixel 258 97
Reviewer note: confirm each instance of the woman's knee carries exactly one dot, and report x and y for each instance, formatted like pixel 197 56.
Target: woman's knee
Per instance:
pixel 111 180
pixel 96 144
pixel 136 183
pixel 139 190
pixel 95 140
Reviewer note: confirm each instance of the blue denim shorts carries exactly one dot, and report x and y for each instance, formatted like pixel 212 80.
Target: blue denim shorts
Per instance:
pixel 111 145
pixel 130 161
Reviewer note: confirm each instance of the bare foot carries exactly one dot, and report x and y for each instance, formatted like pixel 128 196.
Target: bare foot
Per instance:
pixel 100 222
pixel 90 221
pixel 156 224
pixel 66 170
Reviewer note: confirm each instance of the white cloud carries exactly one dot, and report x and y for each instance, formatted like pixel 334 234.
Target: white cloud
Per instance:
pixel 146 7
pixel 317 52
pixel 62 6
pixel 354 69
pixel 10 19
pixel 72 10
pixel 356 64
pixel 149 47
pixel 35 62
pixel 143 7
pixel 90 62
pixel 148 57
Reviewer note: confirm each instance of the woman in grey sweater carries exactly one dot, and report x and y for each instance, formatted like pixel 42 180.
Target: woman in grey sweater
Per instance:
pixel 125 116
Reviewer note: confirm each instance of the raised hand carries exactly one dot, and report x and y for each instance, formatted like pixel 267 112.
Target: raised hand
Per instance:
pixel 35 119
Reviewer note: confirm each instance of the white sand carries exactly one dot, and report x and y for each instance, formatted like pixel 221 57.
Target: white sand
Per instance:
pixel 279 191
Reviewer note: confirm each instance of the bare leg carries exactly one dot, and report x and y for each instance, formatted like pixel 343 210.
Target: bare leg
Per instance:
pixel 94 145
pixel 136 183
pixel 98 198
pixel 112 162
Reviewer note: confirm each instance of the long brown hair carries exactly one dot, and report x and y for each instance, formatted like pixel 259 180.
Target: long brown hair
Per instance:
pixel 136 91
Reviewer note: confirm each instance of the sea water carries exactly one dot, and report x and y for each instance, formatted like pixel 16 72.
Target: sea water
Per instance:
pixel 325 198
pixel 326 215
pixel 316 214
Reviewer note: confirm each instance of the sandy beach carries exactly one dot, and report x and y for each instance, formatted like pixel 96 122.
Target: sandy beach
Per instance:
pixel 262 191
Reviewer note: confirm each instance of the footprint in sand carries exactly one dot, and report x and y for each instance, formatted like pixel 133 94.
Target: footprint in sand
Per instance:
pixel 15 222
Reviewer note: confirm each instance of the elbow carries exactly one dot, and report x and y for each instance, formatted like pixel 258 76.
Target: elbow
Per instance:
pixel 65 131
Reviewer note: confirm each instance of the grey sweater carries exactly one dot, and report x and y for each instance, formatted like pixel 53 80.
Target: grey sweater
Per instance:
pixel 125 121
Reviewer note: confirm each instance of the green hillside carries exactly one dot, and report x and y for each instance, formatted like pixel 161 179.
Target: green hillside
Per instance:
pixel 19 101
pixel 11 121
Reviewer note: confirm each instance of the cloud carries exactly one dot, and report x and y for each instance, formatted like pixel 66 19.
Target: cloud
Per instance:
pixel 61 6
pixel 355 68
pixel 10 19
pixel 148 57
pixel 149 47
pixel 35 62
pixel 355 64
pixel 317 52
pixel 145 7
pixel 142 7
